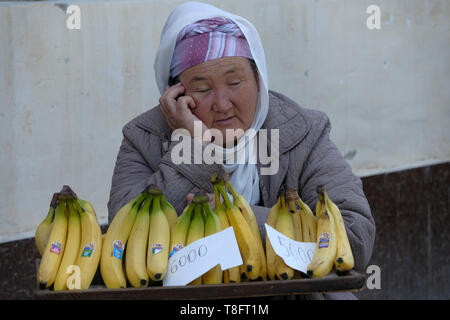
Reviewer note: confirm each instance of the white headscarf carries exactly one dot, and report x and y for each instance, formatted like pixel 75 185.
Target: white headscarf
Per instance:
pixel 243 177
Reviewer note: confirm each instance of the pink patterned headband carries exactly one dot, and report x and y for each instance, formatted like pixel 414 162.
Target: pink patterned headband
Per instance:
pixel 208 40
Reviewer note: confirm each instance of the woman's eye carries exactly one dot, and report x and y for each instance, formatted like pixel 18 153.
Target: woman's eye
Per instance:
pixel 202 90
pixel 235 83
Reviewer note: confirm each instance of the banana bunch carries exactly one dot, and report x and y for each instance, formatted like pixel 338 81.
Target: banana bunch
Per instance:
pixel 197 221
pixel 44 228
pixel 231 275
pixel 332 244
pixel 242 218
pixel 143 227
pixel 299 224
pixel 70 235
pixel 281 219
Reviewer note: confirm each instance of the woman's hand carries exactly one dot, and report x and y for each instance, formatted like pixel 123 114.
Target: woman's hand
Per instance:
pixel 177 109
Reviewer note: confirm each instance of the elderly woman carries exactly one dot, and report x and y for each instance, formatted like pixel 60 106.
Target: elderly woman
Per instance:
pixel 211 70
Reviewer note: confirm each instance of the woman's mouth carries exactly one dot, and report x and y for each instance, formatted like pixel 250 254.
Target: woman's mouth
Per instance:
pixel 225 121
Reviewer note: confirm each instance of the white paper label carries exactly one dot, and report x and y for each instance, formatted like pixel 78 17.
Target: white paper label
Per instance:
pixel 295 254
pixel 200 256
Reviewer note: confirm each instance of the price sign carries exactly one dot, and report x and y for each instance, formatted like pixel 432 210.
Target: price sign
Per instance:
pixel 295 254
pixel 200 256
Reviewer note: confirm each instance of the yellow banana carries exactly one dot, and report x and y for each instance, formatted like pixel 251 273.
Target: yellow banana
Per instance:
pixel 158 242
pixel 170 212
pixel 71 248
pixel 180 230
pixel 219 209
pixel 90 246
pixel 87 206
pixel 54 249
pixel 166 206
pixel 326 243
pixel 344 257
pixel 284 225
pixel 291 195
pixel 299 224
pixel 246 210
pixel 248 245
pixel 270 253
pixel 45 227
pixel 114 242
pixel 309 224
pixel 212 226
pixel 196 231
pixel 231 275
pixel 136 254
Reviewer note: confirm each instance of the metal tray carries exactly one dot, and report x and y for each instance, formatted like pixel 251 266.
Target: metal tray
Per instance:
pixel 352 281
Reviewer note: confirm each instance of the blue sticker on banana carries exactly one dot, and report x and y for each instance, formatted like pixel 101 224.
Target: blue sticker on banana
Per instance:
pixel 324 240
pixel 118 247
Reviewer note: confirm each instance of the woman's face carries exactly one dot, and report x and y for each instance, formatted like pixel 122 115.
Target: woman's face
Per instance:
pixel 225 92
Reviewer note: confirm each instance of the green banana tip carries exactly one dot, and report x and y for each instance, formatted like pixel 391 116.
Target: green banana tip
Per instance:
pixel 214 178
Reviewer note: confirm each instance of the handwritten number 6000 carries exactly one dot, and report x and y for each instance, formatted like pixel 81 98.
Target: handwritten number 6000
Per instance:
pixel 189 258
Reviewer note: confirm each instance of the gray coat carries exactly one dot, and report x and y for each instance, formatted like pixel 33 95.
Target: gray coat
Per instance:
pixel 308 158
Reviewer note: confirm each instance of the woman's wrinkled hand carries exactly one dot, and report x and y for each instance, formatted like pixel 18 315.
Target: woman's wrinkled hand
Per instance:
pixel 177 109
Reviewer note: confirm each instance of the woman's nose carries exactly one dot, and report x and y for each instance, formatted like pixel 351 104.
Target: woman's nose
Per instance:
pixel 222 101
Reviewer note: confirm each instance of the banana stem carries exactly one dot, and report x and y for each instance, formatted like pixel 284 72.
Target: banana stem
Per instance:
pixel 200 198
pixel 140 198
pixel 154 190
pixel 198 210
pixel 226 200
pixel 156 205
pixel 78 207
pixel 217 196
pixel 283 200
pixel 232 190
pixel 214 178
pixel 321 194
